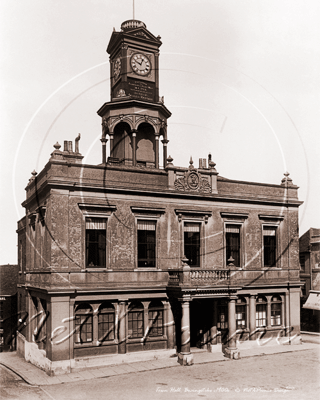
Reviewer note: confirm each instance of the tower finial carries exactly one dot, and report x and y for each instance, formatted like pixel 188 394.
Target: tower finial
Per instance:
pixel 133 7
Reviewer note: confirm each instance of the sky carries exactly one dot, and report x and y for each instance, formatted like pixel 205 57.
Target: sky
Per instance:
pixel 241 79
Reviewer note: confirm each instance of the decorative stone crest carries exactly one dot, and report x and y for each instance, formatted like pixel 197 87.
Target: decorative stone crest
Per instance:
pixel 192 181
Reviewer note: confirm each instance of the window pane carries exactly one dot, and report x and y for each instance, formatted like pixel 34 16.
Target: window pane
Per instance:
pixel 240 316
pixel 269 243
pixel 83 322
pixel 96 248
pixel 155 316
pixel 146 248
pixel 233 244
pixel 192 247
pixel 276 313
pixel 106 321
pixel 261 315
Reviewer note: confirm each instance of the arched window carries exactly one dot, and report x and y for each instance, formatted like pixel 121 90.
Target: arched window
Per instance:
pixel 155 316
pixel 84 325
pixel 261 312
pixel 106 320
pixel 241 320
pixel 135 320
pixel 276 311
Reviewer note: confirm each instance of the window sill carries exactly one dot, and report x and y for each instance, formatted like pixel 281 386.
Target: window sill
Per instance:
pixel 147 339
pixel 96 269
pixel 95 344
pixel 147 269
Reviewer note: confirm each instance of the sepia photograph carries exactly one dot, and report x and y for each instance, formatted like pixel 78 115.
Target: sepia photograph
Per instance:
pixel 160 219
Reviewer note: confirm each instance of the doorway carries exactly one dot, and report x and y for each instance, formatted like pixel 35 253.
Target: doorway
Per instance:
pixel 201 319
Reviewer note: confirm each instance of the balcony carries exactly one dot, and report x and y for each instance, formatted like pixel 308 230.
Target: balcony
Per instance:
pixel 198 277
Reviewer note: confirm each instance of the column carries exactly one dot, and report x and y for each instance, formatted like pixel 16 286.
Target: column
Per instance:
pixel 231 350
pixel 157 152
pixel 169 326
pixel 104 151
pixel 287 326
pixel 213 329
pixel 185 357
pixel 122 328
pixel 111 144
pixel 252 316
pixel 134 148
pixel 165 156
pixel 269 311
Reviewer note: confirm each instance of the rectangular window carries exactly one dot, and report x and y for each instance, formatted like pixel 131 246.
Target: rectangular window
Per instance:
pixel 233 244
pixel 269 246
pixel 192 243
pixel 96 242
pixel 146 244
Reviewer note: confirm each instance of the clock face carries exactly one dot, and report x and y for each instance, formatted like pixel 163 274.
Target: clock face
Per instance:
pixel 140 64
pixel 117 68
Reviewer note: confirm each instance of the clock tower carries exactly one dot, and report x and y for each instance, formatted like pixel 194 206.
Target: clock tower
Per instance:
pixel 136 118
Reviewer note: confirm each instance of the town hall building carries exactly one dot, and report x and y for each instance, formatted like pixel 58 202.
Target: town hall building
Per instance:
pixel 127 256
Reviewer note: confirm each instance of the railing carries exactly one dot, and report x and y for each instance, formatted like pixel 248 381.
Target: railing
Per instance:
pixel 198 277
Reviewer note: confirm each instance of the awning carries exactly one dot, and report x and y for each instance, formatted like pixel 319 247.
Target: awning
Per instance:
pixel 313 301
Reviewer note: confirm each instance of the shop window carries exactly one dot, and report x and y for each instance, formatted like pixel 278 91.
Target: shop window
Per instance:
pixel 192 243
pixel 135 320
pixel 241 306
pixel 261 312
pixel 146 244
pixel 106 321
pixel 276 311
pixel 84 324
pixel 222 322
pixel 96 242
pixel 269 246
pixel 155 316
pixel 233 243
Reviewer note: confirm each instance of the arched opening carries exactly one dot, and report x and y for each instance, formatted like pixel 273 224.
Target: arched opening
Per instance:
pixel 122 149
pixel 146 145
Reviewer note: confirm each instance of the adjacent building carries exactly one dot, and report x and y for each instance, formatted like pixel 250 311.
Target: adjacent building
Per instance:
pixel 8 306
pixel 309 245
pixel 134 255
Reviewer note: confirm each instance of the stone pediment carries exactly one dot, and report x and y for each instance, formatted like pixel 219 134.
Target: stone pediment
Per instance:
pixel 142 32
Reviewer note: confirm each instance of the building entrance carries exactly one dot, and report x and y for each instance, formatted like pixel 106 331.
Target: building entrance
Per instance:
pixel 201 319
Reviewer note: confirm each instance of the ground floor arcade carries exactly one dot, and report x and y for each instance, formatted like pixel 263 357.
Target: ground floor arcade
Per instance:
pixel 62 330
